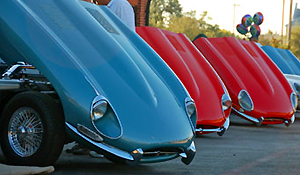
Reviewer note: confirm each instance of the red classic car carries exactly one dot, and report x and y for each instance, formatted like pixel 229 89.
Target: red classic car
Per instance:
pixel 259 91
pixel 204 85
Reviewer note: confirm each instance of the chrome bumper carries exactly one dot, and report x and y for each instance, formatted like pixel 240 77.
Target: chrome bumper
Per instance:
pixel 220 131
pixel 289 122
pixel 134 157
pixel 259 121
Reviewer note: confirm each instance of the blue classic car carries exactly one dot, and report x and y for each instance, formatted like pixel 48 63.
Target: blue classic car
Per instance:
pixel 74 70
pixel 289 64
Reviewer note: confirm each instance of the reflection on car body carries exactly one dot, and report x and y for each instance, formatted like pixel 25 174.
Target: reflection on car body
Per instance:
pixel 259 91
pixel 289 64
pixel 74 67
pixel 204 85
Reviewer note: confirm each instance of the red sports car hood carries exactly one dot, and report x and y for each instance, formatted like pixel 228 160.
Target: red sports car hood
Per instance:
pixel 197 75
pixel 242 65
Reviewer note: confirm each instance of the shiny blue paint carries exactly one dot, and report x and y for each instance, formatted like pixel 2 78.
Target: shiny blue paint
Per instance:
pixel 83 59
pixel 287 62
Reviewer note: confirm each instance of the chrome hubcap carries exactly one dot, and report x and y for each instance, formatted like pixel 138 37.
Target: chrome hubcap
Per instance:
pixel 25 131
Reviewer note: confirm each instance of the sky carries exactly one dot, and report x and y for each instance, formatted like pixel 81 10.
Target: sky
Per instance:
pixel 222 12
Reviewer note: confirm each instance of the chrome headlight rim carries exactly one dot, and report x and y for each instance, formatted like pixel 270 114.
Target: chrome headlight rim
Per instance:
pixel 296 88
pixel 294 100
pixel 240 96
pixel 190 106
pixel 99 109
pixel 191 112
pixel 226 102
pixel 98 99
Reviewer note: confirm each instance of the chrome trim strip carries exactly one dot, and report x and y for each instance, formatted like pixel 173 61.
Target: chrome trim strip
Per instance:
pixel 258 121
pixel 103 146
pixel 208 130
pixel 89 133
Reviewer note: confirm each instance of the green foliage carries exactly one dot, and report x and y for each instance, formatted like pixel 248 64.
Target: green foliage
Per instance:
pixel 295 41
pixel 167 14
pixel 191 26
pixel 275 40
pixel 161 10
pixel 271 39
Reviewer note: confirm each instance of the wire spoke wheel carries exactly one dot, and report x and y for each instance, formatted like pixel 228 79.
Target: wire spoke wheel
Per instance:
pixel 25 131
pixel 32 130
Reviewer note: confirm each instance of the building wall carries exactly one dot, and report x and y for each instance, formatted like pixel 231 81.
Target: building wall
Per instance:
pixel 141 9
pixel 296 17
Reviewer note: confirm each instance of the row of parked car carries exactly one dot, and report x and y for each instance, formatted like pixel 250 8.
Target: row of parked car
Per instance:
pixel 73 71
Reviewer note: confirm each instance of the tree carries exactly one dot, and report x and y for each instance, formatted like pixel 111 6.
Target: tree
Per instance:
pixel 271 39
pixel 160 10
pixel 188 24
pixel 295 41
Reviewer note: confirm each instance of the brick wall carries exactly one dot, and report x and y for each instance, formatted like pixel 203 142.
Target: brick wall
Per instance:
pixel 140 8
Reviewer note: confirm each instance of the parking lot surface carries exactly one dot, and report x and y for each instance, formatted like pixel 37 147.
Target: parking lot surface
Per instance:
pixel 243 149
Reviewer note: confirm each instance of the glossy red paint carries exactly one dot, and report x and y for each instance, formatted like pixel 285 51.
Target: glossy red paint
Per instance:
pixel 197 75
pixel 243 65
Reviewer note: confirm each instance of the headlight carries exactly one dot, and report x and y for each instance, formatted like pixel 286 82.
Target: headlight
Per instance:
pixel 98 110
pixel 190 108
pixel 191 111
pixel 294 100
pixel 297 87
pixel 226 102
pixel 245 100
pixel 105 119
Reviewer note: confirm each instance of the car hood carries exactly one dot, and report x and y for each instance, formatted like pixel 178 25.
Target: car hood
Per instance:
pixel 197 75
pixel 284 59
pixel 85 51
pixel 243 65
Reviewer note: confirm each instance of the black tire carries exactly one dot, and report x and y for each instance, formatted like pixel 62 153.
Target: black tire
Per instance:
pixel 45 128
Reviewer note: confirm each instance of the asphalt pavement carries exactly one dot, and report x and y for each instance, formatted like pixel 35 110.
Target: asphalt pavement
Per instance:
pixel 243 149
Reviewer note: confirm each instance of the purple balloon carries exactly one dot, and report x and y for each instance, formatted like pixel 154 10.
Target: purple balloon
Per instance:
pixel 241 29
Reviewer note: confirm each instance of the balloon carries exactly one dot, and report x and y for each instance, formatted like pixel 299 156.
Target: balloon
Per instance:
pixel 258 18
pixel 255 30
pixel 247 20
pixel 241 29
